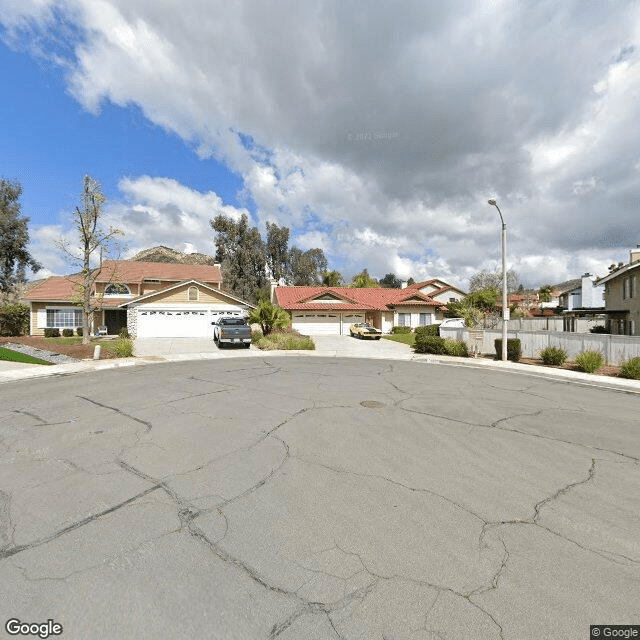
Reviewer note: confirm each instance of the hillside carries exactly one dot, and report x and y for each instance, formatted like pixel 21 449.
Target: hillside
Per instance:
pixel 166 254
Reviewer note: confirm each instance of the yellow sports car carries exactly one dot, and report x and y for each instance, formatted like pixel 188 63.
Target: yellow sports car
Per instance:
pixel 363 330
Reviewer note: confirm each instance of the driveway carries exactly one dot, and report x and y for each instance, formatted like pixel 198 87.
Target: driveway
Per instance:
pixel 325 345
pixel 318 498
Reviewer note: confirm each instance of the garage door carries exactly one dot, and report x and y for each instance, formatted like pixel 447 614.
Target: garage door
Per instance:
pixel 321 324
pixel 179 323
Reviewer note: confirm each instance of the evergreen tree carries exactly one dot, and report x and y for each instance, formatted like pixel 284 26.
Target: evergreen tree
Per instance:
pixel 277 248
pixel 363 279
pixel 390 281
pixel 332 279
pixel 241 252
pixel 306 268
pixel 14 238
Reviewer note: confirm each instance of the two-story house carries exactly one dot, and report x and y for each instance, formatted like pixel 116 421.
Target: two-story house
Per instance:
pixel 149 299
pixel 622 298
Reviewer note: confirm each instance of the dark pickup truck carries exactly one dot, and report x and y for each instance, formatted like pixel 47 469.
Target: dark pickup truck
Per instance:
pixel 231 330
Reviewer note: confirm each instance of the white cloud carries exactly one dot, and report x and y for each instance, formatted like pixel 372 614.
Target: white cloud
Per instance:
pixel 381 132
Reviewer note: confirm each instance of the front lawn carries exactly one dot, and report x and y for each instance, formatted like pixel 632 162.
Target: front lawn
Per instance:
pixel 405 338
pixel 16 356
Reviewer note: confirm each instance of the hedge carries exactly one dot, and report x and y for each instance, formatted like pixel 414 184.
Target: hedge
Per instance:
pixel 514 349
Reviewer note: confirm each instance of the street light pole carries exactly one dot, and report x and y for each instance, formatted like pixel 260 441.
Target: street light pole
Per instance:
pixel 505 308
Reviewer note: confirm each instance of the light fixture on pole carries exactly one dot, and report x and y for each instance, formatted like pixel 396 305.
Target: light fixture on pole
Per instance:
pixel 505 307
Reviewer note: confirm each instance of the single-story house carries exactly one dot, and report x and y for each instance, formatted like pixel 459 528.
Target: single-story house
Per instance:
pixel 331 310
pixel 150 299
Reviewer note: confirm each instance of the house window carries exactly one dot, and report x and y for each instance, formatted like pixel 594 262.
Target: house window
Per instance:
pixel 404 319
pixel 625 288
pixel 116 289
pixel 425 319
pixel 632 287
pixel 64 318
pixel 452 300
pixel 632 327
pixel 193 294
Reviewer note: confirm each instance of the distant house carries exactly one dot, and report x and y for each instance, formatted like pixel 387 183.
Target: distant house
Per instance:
pixel 331 310
pixel 582 304
pixel 438 290
pixel 150 299
pixel 622 300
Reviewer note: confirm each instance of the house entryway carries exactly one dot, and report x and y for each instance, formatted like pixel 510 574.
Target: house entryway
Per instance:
pixel 116 321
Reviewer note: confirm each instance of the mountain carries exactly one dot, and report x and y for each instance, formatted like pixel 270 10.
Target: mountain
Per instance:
pixel 166 254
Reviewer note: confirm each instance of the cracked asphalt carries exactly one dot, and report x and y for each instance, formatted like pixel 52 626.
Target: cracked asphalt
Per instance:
pixel 320 499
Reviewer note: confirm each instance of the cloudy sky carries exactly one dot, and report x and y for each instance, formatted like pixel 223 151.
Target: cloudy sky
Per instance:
pixel 372 129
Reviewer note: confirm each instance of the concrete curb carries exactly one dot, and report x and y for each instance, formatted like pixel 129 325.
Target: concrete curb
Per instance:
pixel 561 375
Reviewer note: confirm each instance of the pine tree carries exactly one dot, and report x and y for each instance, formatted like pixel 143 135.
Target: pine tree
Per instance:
pixel 14 239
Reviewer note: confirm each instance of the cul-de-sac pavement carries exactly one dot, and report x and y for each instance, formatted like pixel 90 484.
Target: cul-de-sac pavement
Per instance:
pixel 318 498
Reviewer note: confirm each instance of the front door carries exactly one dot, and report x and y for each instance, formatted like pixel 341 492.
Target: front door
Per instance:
pixel 116 321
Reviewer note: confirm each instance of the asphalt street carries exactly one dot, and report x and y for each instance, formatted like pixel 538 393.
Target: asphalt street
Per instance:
pixel 318 498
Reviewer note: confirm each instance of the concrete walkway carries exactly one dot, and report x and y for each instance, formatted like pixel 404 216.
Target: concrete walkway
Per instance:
pixel 155 350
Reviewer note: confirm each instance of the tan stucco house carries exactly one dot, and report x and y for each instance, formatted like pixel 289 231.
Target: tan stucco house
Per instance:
pixel 150 299
pixel 331 310
pixel 621 296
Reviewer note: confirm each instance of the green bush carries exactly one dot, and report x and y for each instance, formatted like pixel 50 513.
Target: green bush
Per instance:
pixel 14 319
pixel 589 361
pixel 553 355
pixel 79 331
pixel 255 336
pixel 430 344
pixel 456 348
pixel 121 348
pixel 284 340
pixel 630 369
pixel 514 349
pixel 400 329
pixel 52 333
pixel 124 333
pixel 428 330
pixel 67 333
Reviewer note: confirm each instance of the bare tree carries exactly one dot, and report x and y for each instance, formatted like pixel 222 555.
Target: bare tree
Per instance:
pixel 94 242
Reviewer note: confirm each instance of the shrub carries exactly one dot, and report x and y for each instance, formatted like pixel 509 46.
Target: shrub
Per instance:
pixel 630 369
pixel 400 329
pixel 121 348
pixel 589 361
pixel 79 331
pixel 52 333
pixel 269 316
pixel 514 349
pixel 430 344
pixel 599 328
pixel 553 355
pixel 14 319
pixel 255 336
pixel 67 333
pixel 428 330
pixel 456 348
pixel 285 340
pixel 124 333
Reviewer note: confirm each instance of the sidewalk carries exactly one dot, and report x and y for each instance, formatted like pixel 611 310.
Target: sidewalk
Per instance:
pixel 13 371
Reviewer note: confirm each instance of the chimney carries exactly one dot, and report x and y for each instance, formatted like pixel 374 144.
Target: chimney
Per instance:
pixel 634 255
pixel 274 284
pixel 403 284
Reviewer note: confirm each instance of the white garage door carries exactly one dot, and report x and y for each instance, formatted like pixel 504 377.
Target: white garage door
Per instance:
pixel 178 323
pixel 320 324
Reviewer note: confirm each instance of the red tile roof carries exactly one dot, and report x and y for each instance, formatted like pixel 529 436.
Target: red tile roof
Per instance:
pixel 58 288
pixel 356 299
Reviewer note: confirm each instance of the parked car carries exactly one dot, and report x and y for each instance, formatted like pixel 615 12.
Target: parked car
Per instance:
pixel 453 323
pixel 363 330
pixel 231 330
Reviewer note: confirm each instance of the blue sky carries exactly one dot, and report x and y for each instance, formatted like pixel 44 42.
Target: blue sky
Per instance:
pixel 376 132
